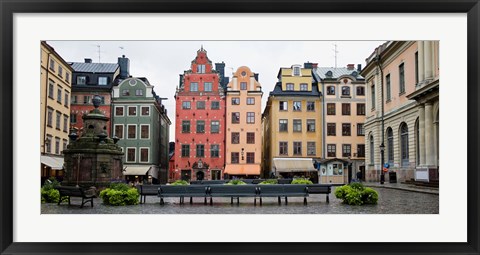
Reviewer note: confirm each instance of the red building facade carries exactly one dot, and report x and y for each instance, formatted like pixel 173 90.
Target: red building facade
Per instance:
pixel 200 122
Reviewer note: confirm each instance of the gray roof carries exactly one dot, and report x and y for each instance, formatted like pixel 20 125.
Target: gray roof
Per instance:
pixel 94 67
pixel 336 72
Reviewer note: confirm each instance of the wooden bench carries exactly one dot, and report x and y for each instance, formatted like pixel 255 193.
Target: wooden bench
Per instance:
pixel 233 191
pixel 182 191
pixel 73 191
pixel 283 190
pixel 320 189
pixel 147 190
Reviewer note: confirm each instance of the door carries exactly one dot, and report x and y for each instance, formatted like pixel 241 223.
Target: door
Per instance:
pixel 186 175
pixel 215 174
pixel 200 175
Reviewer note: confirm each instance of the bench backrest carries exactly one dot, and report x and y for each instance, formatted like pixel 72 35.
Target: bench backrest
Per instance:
pixel 176 189
pixel 70 191
pixel 148 189
pixel 294 188
pixel 319 188
pixel 233 189
pixel 281 188
pixel 196 189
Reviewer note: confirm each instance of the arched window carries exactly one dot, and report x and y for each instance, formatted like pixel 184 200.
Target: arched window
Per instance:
pixel 372 153
pixel 404 143
pixel 390 145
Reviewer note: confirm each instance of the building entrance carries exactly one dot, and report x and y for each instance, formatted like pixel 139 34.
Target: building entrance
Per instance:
pixel 216 174
pixel 186 175
pixel 200 175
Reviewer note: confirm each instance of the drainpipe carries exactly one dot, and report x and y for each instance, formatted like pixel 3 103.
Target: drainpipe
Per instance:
pixel 382 145
pixel 46 103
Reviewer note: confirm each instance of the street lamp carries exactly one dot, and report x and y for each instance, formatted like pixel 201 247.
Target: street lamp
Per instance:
pixel 382 174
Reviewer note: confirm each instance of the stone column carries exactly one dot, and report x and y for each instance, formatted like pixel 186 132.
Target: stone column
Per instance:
pixel 421 64
pixel 428 60
pixel 429 132
pixel 421 132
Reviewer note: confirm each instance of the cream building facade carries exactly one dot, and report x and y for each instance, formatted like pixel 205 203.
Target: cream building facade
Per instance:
pixel 402 108
pixel 55 93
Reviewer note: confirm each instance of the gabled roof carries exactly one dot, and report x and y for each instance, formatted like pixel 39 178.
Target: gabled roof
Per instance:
pixel 94 67
pixel 336 73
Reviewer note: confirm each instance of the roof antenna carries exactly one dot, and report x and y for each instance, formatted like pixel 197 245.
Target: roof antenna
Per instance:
pixel 335 51
pixel 98 46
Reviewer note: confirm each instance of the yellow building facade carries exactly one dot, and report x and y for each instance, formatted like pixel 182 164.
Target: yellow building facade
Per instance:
pixel 244 125
pixel 55 94
pixel 292 125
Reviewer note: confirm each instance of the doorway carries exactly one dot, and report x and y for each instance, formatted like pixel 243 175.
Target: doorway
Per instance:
pixel 200 175
pixel 186 175
pixel 362 171
pixel 216 175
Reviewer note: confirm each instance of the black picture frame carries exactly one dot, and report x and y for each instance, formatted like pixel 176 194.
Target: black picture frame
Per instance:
pixel 10 7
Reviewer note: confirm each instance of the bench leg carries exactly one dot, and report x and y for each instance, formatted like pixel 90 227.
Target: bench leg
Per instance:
pixel 279 201
pixel 211 201
pixel 260 200
pixel 304 200
pixel 191 201
pixel 205 201
pixel 328 199
pixel 255 201
pixel 231 200
pixel 286 200
pixel 91 202
pixel 238 200
pixel 82 203
pixel 161 201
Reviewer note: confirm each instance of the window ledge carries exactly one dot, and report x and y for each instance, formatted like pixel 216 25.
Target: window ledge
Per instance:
pixel 401 93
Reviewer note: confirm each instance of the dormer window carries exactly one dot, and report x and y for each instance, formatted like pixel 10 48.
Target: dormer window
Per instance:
pixel 296 71
pixel 200 68
pixel 102 80
pixel 81 80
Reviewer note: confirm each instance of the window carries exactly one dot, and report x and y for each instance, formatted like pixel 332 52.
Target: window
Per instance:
pixel 388 88
pixel 139 92
pixel 64 147
pixel 360 129
pixel 132 132
pixel 416 67
pixel 145 110
pixel 102 80
pixel 297 125
pixel 200 151
pixel 194 86
pixel 74 99
pixel 250 157
pixel 214 151
pixel 283 125
pixel 310 125
pixel 250 138
pixel 185 126
pixel 185 150
pixel 243 85
pixel 131 154
pixel 57 145
pixel 59 94
pixel 361 150
pixel 144 132
pixel 346 150
pixel 73 118
pixel 235 138
pixel 200 105
pixel 346 109
pixel 200 68
pixel 200 126
pixel 235 100
pixel 372 153
pixel 360 91
pixel 311 149
pixel 250 117
pixel 118 110
pixel 144 154
pixel 404 143
pixel 65 123
pixel 125 92
pixel 360 109
pixel 346 129
pixel 208 86
pixel 331 129
pixel 303 87
pixel 215 105
pixel 297 148
pixel 48 144
pixel 331 90
pixel 401 74
pixel 310 106
pixel 331 150
pixel 119 131
pixel 60 71
pixel 283 106
pixel 102 100
pixel 389 145
pixel 283 148
pixel 58 120
pixel 132 111
pixel 67 96
pixel 86 99
pixel 235 157
pixel 235 117
pixel 50 117
pixel 81 80
pixel 50 89
pixel 52 65
pixel 290 86
pixel 297 105
pixel 67 77
pixel 186 105
pixel 331 109
pixel 373 96
pixel 250 100
pixel 215 126
pixel 296 71
pixel 345 91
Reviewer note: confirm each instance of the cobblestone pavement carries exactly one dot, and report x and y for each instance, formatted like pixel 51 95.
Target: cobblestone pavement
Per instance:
pixel 391 201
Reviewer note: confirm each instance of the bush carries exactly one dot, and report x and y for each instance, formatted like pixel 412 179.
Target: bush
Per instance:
pixel 180 182
pixel 120 194
pixel 270 181
pixel 356 194
pixel 301 181
pixel 236 182
pixel 48 192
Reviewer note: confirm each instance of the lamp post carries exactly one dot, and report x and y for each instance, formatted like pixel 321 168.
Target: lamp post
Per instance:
pixel 382 173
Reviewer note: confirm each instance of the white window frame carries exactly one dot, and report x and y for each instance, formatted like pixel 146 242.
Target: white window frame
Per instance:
pixel 135 154
pixel 115 132
pixel 126 132
pixel 128 111
pixel 116 111
pixel 140 132
pixel 101 78
pixel 149 110
pixel 140 155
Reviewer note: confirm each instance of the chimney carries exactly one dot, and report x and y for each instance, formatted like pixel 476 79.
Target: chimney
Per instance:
pixel 307 65
pixel 180 82
pixel 314 65
pixel 124 64
pixel 350 66
pixel 359 67
pixel 88 60
pixel 220 67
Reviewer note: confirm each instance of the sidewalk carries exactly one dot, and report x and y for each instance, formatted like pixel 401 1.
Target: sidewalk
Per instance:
pixel 403 186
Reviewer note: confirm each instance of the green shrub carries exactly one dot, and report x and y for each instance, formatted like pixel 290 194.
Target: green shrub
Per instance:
pixel 236 182
pixel 119 186
pixel 180 182
pixel 301 181
pixel 270 181
pixel 50 195
pixel 118 195
pixel 356 194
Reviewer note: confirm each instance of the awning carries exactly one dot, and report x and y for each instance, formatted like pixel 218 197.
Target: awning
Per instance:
pixel 294 164
pixel 242 169
pixel 54 162
pixel 136 170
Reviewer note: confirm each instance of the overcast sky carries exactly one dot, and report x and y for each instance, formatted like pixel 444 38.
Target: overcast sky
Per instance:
pixel 161 62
